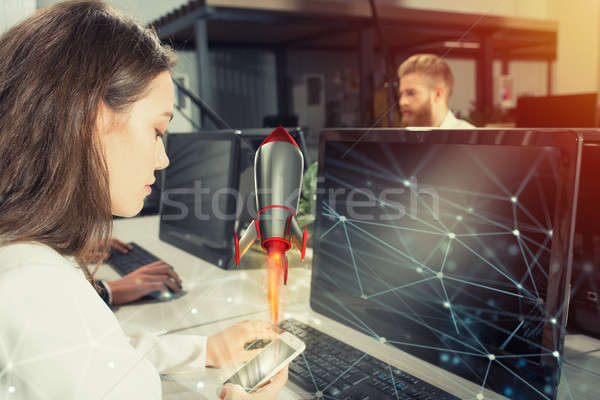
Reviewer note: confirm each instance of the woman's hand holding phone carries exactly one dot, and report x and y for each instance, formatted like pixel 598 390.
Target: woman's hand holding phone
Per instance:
pixel 268 391
pixel 226 348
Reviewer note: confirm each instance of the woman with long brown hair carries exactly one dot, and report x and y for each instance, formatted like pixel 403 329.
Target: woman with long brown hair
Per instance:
pixel 85 96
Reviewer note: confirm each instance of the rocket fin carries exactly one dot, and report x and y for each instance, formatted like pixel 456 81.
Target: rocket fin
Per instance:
pixel 298 236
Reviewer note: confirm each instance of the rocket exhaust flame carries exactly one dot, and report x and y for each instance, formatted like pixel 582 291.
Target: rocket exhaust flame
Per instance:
pixel 275 265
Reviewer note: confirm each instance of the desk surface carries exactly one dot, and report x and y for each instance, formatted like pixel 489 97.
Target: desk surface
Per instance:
pixel 217 298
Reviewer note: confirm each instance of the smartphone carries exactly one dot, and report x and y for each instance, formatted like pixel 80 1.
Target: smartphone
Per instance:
pixel 266 364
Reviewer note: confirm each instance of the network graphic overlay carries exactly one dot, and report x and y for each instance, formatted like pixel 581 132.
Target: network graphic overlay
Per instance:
pixel 444 251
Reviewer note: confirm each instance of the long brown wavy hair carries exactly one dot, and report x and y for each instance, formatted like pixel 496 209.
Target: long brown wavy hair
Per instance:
pixel 56 69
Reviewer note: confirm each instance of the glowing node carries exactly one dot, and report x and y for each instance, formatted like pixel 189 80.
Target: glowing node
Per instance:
pixel 9 366
pixel 513 199
pixel 540 300
pixel 516 232
pixel 555 354
pixel 440 275
pixel 406 182
pixel 492 357
pixel 244 275
pixel 419 270
pixel 342 218
pixel 293 287
pixel 12 389
pixel 480 396
pixel 451 235
pixel 519 286
pixel 459 217
pixel 550 232
pixel 317 321
pixel 446 304
pixel 200 385
pixel 470 209
pixel 553 321
pixel 364 297
pixel 587 267
pixel 194 311
pixel 382 340
pixel 111 364
pixel 229 299
pixel 319 394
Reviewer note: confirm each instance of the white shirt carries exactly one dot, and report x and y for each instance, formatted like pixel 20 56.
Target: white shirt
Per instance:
pixel 59 340
pixel 451 122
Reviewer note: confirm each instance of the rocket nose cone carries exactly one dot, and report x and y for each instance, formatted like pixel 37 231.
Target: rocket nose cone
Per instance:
pixel 279 135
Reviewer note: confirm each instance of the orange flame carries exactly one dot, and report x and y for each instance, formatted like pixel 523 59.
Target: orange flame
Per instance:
pixel 274 276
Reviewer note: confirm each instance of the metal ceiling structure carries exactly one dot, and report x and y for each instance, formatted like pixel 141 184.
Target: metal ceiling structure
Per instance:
pixel 283 25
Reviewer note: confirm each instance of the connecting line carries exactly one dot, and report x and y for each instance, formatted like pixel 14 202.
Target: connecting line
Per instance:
pixel 425 325
pixel 446 255
pixel 362 293
pixel 536 257
pixel 393 161
pixel 345 372
pixel 400 287
pixel 307 366
pixel 482 234
pixel 534 219
pixel 370 196
pixel 529 175
pixel 466 326
pixel 564 375
pixel 393 382
pixel 366 331
pixel 450 307
pixel 394 249
pixel 330 229
pixel 522 380
pixel 396 227
pixel 487 262
pixel 544 204
pixel 537 293
pixel 437 349
pixel 503 346
pixel 475 214
pixel 482 286
pixel 488 173
pixel 373 333
pixel 486 375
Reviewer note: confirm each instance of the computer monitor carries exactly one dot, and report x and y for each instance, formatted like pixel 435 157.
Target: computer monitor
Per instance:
pixel 453 246
pixel 198 196
pixel 565 111
pixel 584 308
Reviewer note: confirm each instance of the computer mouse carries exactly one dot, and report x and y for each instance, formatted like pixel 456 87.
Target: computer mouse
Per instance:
pixel 256 344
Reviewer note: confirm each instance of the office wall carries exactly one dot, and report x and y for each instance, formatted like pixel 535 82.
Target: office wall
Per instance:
pixel 577 67
pixel 13 11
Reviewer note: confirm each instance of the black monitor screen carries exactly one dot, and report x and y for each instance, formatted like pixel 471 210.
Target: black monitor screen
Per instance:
pixel 444 250
pixel 198 197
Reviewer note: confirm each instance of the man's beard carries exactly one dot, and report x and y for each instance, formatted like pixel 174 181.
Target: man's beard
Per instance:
pixel 419 117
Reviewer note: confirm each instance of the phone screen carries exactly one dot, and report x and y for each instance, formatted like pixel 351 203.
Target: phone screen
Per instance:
pixel 262 365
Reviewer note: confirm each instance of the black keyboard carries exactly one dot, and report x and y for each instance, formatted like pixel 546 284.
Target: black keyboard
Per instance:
pixel 331 369
pixel 135 259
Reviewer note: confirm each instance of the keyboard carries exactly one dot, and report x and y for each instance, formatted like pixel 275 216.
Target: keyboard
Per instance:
pixel 329 368
pixel 135 259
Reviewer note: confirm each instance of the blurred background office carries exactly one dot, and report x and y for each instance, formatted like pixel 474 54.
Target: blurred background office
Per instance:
pixel 323 63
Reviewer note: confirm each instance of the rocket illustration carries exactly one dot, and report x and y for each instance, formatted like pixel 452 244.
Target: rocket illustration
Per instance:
pixel 278 168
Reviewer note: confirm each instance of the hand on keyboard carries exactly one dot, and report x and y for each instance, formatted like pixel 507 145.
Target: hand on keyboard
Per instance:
pixel 158 276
